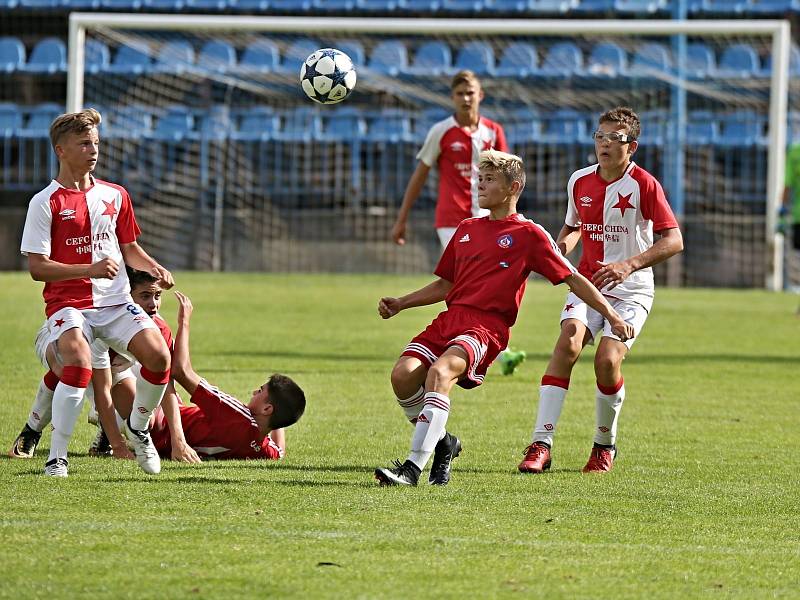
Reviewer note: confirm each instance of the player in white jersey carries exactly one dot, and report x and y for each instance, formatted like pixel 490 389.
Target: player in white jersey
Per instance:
pixel 614 207
pixel 78 231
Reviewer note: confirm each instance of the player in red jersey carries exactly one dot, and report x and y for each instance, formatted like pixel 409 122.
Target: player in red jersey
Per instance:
pixel 614 208
pixel 482 277
pixel 78 231
pixel 454 146
pixel 217 425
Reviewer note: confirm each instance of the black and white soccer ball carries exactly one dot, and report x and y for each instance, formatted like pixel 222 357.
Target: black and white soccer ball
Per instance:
pixel 328 76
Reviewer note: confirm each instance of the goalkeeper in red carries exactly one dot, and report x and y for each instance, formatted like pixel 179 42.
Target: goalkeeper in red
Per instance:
pixel 481 277
pixel 614 208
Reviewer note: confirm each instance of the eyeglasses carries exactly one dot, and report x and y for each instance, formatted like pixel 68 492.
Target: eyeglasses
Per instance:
pixel 613 136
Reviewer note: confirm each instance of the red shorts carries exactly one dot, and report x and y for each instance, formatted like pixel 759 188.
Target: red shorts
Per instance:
pixel 480 334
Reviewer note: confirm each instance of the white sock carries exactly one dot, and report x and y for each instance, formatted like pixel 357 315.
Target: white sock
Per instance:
pixel 430 428
pixel 42 410
pixel 413 404
pixel 552 393
pixel 148 397
pixel 67 404
pixel 608 403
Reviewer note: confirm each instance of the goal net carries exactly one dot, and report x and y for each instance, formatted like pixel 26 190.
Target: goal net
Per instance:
pixel 232 167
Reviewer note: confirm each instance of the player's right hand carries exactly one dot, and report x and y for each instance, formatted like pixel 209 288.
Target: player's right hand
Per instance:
pixel 104 269
pixel 623 330
pixel 185 307
pixel 120 451
pixel 399 232
pixel 388 307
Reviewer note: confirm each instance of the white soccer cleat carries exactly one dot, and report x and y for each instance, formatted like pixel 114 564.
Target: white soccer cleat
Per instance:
pixel 143 448
pixel 58 467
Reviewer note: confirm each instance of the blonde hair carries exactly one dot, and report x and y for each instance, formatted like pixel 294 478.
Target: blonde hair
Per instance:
pixel 465 76
pixel 77 122
pixel 508 165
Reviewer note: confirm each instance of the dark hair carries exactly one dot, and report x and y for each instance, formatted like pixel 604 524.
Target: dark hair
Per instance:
pixel 288 400
pixel 138 278
pixel 625 117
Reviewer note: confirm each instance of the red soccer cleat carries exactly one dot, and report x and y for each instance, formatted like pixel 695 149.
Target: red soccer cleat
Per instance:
pixel 537 458
pixel 601 459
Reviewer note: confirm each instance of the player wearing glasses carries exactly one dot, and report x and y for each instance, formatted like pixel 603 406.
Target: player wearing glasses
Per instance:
pixel 613 208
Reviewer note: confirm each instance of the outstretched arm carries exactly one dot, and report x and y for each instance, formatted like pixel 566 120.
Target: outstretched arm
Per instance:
pixel 182 370
pixel 430 294
pixel 568 238
pixel 413 189
pixel 586 291
pixel 136 258
pixel 612 274
pixel 181 450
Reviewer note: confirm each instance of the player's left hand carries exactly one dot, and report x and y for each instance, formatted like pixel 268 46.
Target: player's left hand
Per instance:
pixel 164 277
pixel 388 307
pixel 623 330
pixel 183 452
pixel 610 275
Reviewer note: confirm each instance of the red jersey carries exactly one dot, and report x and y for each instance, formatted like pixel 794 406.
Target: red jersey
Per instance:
pixel 219 426
pixel 488 262
pixel 75 227
pixel 617 220
pixel 456 153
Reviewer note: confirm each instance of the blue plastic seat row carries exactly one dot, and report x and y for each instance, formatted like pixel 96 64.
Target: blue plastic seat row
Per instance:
pixel 392 58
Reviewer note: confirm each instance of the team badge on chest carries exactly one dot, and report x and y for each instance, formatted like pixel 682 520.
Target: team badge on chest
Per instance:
pixel 505 241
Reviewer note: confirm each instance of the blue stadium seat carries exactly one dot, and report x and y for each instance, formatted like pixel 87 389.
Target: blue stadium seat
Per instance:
pixel 551 7
pixel 739 61
pixel 218 56
pixel 702 128
pixel 296 53
pixel 10 119
pixel 254 6
pixel 12 55
pixel 175 56
pixel 794 62
pixel 654 127
pixel 420 6
pixel 519 59
pixel 507 6
pixel 432 59
pixel 39 119
pixel 301 125
pixel 215 124
pixel 775 8
pixel 565 127
pixel 48 56
pixel 343 125
pixel 389 57
pixel 723 7
pixel 97 56
pixel 39 4
pixel 333 5
pixel 132 121
pixel 389 125
pixel 258 123
pixel 700 61
pixel 594 7
pixel 121 4
pixel 207 5
pixel 8 4
pixel 354 49
pixel 607 59
pixel 175 125
pixel 639 7
pixel 523 127
pixel 563 59
pixel 427 119
pixel 741 129
pixel 462 6
pixel 81 4
pixel 290 6
pixel 165 5
pixel 131 60
pixel 649 58
pixel 260 56
pixel 378 5
pixel 476 56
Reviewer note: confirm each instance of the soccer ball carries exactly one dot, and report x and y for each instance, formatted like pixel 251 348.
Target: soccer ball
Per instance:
pixel 328 76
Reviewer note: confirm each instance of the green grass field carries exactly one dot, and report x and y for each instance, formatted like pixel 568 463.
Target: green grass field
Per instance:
pixel 704 500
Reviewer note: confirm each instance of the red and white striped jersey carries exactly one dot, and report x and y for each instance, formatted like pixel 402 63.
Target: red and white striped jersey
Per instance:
pixel 220 426
pixel 488 261
pixel 617 220
pixel 75 227
pixel 456 153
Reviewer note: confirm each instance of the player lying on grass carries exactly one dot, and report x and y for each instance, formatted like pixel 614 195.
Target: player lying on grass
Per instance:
pixel 118 383
pixel 482 277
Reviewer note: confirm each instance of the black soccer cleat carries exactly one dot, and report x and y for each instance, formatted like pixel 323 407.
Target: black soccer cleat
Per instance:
pixel 25 444
pixel 100 445
pixel 448 448
pixel 406 473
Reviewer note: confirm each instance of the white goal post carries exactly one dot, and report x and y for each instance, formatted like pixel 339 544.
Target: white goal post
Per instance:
pixel 777 30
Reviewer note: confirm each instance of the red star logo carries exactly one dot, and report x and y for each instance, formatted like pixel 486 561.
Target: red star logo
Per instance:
pixel 569 307
pixel 624 203
pixel 111 210
pixel 59 322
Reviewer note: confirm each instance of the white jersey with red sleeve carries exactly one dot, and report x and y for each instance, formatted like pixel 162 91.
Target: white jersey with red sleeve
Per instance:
pixel 617 220
pixel 456 153
pixel 488 261
pixel 81 227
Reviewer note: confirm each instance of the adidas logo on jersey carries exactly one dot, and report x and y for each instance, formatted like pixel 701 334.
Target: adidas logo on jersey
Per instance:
pixel 465 238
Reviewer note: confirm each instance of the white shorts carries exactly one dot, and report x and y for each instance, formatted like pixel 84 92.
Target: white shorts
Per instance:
pixel 632 312
pixel 99 349
pixel 114 325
